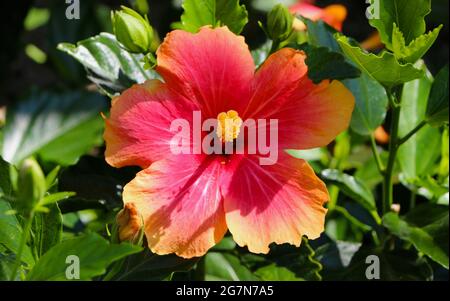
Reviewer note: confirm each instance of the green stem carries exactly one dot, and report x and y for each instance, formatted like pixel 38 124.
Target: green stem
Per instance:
pixel 388 189
pixel 412 133
pixel 376 155
pixel 23 241
pixel 334 194
pixel 352 219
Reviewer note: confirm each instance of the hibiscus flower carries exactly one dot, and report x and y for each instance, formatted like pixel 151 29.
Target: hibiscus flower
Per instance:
pixel 334 15
pixel 188 202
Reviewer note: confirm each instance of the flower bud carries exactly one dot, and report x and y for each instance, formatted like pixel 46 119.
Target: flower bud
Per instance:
pixel 132 30
pixel 279 23
pixel 129 223
pixel 31 184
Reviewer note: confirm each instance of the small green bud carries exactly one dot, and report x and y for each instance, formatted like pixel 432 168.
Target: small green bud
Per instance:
pixel 132 30
pixel 31 184
pixel 279 23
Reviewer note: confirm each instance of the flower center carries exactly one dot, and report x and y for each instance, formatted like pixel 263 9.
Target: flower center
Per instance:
pixel 228 125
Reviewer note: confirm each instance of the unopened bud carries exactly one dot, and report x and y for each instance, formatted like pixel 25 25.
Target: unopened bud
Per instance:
pixel 31 184
pixel 130 224
pixel 132 30
pixel 279 23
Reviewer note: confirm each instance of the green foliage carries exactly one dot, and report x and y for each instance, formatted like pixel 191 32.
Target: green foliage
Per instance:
pixel 325 64
pixel 148 266
pixel 222 267
pixel 384 68
pixel 273 272
pixel 416 49
pixel 286 260
pixel 371 104
pixel 11 231
pixel 419 154
pixel 437 108
pixel 33 128
pixel 47 230
pixel 321 34
pixel 408 15
pixel 352 187
pixel 94 252
pixel 395 265
pixel 426 227
pixel 5 181
pixel 370 97
pixel 260 54
pixel 108 65
pixel 198 13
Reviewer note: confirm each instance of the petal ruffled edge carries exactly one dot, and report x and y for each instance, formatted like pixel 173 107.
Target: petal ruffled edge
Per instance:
pixel 181 204
pixel 274 204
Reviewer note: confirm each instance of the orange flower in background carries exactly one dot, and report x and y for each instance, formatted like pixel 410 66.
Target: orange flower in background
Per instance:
pixel 334 15
pixel 189 201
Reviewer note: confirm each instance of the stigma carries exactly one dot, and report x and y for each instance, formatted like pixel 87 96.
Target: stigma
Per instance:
pixel 228 125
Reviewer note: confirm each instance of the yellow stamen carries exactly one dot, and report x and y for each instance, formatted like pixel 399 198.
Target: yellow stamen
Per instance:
pixel 228 125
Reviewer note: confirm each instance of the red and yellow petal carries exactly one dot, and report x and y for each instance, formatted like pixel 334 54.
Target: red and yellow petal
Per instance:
pixel 334 15
pixel 315 119
pixel 308 115
pixel 181 204
pixel 274 204
pixel 214 68
pixel 138 129
pixel 275 81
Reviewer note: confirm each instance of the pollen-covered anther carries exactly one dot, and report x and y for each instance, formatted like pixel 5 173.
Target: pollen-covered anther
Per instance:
pixel 228 125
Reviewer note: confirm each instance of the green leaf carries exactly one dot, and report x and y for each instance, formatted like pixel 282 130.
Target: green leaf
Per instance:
pixel 352 187
pixel 426 227
pixel 7 262
pixel 368 172
pixel 273 272
pixel 335 256
pixel 437 108
pixel 371 103
pixel 5 180
pixel 416 49
pixel 47 230
pixel 408 15
pixel 384 68
pixel 226 244
pixel 325 64
pixel 261 54
pixel 146 266
pixel 108 65
pixel 315 154
pixel 299 261
pixel 94 252
pixel 395 265
pixel 198 13
pixel 11 232
pixel 56 197
pixel 418 155
pixel 52 177
pixel 223 266
pixel 321 34
pixel 57 127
